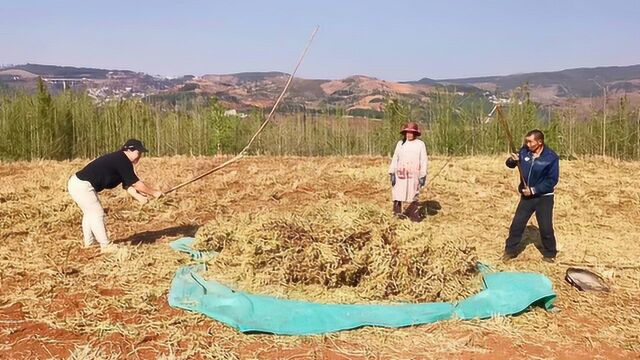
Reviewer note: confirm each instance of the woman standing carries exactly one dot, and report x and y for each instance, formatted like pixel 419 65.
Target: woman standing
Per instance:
pixel 106 172
pixel 408 169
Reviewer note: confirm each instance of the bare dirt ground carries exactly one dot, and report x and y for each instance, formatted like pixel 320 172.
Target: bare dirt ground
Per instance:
pixel 59 300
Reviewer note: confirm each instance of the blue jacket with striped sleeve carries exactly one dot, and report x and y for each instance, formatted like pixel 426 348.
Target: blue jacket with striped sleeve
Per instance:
pixel 540 174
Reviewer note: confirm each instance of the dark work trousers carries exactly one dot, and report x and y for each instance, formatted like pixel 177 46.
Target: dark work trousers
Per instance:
pixel 543 207
pixel 397 207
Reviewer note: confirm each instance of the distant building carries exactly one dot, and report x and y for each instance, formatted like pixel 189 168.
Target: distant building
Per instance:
pixel 233 112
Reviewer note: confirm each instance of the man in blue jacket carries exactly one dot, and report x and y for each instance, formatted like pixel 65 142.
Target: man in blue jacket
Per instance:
pixel 540 168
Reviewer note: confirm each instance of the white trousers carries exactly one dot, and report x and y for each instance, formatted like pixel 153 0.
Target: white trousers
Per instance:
pixel 92 213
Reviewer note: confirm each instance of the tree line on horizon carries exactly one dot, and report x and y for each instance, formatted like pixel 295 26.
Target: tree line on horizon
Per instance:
pixel 72 125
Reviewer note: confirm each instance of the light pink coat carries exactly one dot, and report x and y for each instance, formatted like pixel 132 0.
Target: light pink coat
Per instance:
pixel 409 163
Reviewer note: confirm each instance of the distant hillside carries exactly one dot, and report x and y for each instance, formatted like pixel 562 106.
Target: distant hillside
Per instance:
pixel 550 87
pixel 245 77
pixel 99 83
pixel 66 71
pixel 355 94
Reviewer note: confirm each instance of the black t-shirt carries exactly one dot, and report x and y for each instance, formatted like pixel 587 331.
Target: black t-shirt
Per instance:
pixel 109 171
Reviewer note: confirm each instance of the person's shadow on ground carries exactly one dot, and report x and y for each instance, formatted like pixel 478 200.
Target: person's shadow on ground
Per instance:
pixel 530 236
pixel 150 237
pixel 419 210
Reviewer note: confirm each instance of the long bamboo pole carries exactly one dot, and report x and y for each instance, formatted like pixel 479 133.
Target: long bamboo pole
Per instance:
pixel 587 264
pixel 264 124
pixel 512 146
pixel 423 192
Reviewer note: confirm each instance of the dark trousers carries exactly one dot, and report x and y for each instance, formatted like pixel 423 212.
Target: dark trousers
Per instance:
pixel 543 207
pixel 397 207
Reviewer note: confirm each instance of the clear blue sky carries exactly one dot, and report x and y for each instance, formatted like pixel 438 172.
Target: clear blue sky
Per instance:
pixel 393 40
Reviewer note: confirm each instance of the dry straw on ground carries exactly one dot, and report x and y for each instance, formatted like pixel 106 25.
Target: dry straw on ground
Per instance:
pixel 57 298
pixel 335 252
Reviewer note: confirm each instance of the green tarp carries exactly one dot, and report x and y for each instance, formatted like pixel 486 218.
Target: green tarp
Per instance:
pixel 505 293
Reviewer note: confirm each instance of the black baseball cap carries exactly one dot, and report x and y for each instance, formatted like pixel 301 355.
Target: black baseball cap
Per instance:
pixel 134 144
